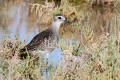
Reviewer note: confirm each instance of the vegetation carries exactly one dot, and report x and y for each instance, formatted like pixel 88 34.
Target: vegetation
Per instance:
pixel 95 56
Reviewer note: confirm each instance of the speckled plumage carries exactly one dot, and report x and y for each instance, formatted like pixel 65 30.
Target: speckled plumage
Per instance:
pixel 45 40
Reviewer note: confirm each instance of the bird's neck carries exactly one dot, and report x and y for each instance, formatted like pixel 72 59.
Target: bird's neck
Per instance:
pixel 55 28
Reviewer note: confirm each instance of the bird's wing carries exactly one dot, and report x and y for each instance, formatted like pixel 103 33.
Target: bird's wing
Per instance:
pixel 38 40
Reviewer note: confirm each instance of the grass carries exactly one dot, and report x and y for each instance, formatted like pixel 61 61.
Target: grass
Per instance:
pixel 92 57
pixel 98 60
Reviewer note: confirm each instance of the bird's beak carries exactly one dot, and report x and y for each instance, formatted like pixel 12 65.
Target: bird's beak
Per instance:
pixel 67 21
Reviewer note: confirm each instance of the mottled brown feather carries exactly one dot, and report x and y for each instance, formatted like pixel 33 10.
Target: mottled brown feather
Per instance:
pixel 38 40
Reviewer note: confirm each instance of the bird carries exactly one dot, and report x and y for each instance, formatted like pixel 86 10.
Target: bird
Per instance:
pixel 45 41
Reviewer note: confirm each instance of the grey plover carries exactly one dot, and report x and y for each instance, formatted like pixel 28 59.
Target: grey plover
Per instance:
pixel 47 39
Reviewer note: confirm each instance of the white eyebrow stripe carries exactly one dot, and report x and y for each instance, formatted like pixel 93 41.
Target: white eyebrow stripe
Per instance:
pixel 60 16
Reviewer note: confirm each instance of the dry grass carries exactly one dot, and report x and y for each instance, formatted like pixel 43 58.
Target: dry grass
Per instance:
pixel 98 60
pixel 43 11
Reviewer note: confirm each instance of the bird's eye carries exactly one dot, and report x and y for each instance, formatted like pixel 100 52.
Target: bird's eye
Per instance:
pixel 59 18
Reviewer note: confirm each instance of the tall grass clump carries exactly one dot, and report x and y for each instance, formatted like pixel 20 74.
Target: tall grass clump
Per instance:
pixel 104 60
pixel 13 68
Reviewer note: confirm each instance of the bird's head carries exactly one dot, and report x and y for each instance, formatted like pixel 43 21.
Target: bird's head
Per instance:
pixel 59 19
